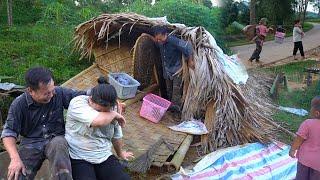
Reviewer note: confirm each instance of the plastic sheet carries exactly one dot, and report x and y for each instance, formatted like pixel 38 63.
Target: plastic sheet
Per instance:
pixel 234 68
pixel 194 127
pixel 299 112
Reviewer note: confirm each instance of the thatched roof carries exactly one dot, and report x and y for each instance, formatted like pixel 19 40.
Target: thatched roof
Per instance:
pixel 230 117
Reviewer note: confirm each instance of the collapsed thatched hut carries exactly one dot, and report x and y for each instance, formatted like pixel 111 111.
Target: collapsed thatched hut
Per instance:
pixel 114 41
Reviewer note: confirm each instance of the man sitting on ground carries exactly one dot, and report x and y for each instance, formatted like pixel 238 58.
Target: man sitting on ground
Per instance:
pixel 37 115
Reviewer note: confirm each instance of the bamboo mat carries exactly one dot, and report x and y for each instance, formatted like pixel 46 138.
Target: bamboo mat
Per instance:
pixel 140 135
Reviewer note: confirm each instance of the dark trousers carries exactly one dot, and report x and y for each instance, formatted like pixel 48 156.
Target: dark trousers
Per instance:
pixel 306 173
pixel 109 169
pixel 256 53
pixel 174 90
pixel 55 150
pixel 298 45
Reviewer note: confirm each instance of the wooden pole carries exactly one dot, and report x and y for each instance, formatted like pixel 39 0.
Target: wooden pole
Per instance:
pixel 274 87
pixel 178 157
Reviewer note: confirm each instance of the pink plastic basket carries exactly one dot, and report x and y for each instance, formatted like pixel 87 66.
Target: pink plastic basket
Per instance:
pixel 154 107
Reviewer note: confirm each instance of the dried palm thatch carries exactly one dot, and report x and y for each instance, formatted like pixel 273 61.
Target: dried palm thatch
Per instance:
pixel 232 117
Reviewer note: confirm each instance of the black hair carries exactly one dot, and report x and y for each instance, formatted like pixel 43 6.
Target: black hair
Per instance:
pixel 104 94
pixel 315 103
pixel 296 21
pixel 35 76
pixel 159 30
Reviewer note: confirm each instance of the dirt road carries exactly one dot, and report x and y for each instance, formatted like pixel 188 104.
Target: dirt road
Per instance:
pixel 272 52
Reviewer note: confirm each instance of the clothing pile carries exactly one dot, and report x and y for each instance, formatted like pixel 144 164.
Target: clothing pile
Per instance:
pixel 122 80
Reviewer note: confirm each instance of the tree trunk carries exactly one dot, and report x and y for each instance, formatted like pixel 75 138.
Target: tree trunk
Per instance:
pixel 300 8
pixel 317 6
pixel 253 12
pixel 9 12
pixel 305 6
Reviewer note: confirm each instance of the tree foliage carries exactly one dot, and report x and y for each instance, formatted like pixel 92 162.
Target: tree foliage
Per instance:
pixel 316 5
pixel 234 11
pixel 23 12
pixel 276 11
pixel 181 11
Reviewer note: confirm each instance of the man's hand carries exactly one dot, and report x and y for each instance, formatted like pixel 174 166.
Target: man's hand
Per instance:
pixel 121 120
pixel 292 153
pixel 126 155
pixel 15 168
pixel 191 64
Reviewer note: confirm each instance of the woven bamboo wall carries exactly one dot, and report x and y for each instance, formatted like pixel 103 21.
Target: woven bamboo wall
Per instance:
pixel 115 59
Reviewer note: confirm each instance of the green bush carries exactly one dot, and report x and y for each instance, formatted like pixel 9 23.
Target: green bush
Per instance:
pixel 24 12
pixel 57 13
pixel 22 47
pixel 231 30
pixel 182 11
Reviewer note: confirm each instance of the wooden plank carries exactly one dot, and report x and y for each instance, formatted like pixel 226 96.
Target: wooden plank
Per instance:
pixel 209 122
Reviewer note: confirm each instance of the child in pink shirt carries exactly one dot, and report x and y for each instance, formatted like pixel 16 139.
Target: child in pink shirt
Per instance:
pixel 306 145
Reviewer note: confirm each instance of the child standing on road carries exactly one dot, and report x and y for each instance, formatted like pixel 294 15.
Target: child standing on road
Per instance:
pixel 297 39
pixel 307 145
pixel 261 33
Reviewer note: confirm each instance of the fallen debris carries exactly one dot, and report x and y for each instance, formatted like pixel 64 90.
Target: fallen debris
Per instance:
pixel 299 112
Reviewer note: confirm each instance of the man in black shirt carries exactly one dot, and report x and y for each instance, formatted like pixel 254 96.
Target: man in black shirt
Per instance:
pixel 37 115
pixel 172 49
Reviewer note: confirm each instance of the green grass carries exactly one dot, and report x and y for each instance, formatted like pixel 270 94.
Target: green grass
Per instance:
pixel 243 41
pixel 316 20
pixel 296 99
pixel 25 46
pixel 293 71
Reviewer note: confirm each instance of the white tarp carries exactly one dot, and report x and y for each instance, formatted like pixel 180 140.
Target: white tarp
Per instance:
pixel 194 127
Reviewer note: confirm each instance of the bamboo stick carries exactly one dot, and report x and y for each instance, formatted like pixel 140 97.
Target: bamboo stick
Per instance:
pixel 281 128
pixel 178 157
